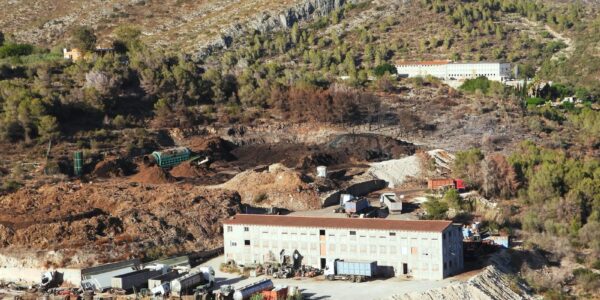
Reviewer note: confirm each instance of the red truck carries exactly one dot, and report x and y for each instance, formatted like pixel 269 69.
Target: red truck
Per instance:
pixel 444 183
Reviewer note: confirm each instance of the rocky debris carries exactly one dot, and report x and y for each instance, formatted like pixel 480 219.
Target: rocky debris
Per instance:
pixel 114 221
pixel 493 283
pixel 152 175
pixel 395 172
pixel 398 171
pixel 276 186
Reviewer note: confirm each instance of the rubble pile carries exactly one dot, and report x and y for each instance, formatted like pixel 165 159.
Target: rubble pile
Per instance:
pixel 114 220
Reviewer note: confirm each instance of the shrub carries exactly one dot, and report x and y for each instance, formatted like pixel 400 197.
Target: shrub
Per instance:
pixel 435 208
pixel 384 68
pixel 11 50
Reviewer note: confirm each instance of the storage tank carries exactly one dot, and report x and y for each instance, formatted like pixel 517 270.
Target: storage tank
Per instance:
pixel 186 283
pixel 322 171
pixel 247 291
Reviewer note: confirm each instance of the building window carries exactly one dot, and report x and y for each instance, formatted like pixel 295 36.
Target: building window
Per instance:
pixel 444 235
pixel 246 229
pixel 352 232
pixel 229 228
pixel 246 242
pixel 392 234
pixel 413 250
pixel 322 232
pixel 233 244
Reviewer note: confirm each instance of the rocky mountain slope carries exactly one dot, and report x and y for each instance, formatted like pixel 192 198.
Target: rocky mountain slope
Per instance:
pixel 175 24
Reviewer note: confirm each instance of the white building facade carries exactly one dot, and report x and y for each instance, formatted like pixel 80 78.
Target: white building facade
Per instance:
pixel 420 249
pixel 446 70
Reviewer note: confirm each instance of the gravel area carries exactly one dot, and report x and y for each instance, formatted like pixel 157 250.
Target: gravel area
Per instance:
pixel 319 288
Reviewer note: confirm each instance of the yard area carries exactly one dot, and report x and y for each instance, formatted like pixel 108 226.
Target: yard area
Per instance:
pixel 319 288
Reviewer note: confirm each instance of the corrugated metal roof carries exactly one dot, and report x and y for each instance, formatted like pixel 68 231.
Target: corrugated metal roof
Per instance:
pixel 350 223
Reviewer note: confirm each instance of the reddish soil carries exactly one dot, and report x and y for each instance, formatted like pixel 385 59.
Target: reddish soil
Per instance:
pixel 115 220
pixel 152 175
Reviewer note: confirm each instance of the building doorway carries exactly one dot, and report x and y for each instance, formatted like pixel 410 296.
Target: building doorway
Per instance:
pixel 323 263
pixel 404 269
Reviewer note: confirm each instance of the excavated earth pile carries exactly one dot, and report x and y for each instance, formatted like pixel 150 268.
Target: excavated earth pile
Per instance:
pixel 152 175
pixel 114 220
pixel 346 149
pixel 113 167
pixel 275 186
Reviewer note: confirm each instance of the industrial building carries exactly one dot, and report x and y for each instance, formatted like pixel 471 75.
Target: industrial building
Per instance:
pixel 448 70
pixel 420 249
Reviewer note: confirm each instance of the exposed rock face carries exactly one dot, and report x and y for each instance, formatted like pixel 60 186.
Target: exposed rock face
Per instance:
pixel 271 21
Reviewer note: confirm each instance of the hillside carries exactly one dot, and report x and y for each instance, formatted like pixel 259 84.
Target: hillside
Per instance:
pixel 174 24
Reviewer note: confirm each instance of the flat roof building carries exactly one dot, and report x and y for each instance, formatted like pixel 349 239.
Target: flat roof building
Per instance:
pixel 448 70
pixel 421 249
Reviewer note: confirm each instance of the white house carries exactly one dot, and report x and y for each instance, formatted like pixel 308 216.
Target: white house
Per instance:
pixel 447 70
pixel 421 249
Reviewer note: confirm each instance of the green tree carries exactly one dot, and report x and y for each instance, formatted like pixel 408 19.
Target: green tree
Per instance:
pixel 435 208
pixel 83 37
pixel 127 38
pixel 453 199
pixel 48 128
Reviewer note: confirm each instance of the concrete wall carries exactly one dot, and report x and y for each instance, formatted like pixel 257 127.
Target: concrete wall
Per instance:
pixel 72 276
pixel 423 253
pixel 356 189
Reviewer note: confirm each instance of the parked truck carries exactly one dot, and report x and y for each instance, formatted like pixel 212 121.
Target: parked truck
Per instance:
pixel 204 277
pixel 135 280
pixel 247 291
pixel 355 271
pixel 393 205
pixel 445 183
pixel 356 205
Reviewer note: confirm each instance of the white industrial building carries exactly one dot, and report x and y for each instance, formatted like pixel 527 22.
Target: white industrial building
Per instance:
pixel 421 249
pixel 447 70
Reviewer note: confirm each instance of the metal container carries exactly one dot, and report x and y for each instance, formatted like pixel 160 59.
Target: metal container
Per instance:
pixel 136 279
pixel 247 291
pixel 322 171
pixel 159 280
pixel 171 157
pixel 356 268
pixel 356 206
pixel 78 163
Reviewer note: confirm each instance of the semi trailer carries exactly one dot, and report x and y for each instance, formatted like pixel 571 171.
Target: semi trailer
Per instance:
pixel 355 271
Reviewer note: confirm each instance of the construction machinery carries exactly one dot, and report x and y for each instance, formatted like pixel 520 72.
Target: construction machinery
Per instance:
pixel 354 271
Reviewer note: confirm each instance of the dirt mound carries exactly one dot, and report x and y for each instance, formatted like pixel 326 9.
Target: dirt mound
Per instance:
pixel 114 221
pixel 277 186
pixel 113 167
pixel 214 147
pixel 371 147
pixel 185 169
pixel 152 175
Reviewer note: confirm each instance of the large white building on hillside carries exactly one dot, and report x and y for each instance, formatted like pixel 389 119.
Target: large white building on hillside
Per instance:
pixel 421 249
pixel 447 70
